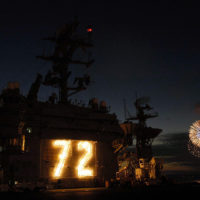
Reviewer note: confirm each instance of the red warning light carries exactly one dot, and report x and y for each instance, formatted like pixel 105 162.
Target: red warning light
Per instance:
pixel 89 30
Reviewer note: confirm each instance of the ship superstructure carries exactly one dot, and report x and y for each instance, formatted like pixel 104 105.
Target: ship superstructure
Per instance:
pixel 137 164
pixel 58 142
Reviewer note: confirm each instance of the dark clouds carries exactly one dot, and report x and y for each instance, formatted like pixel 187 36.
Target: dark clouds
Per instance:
pixel 173 149
pixel 197 108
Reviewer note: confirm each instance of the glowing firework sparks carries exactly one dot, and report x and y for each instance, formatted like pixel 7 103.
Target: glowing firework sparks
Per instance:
pixel 194 139
pixel 194 133
pixel 65 144
pixel 82 171
pixel 194 150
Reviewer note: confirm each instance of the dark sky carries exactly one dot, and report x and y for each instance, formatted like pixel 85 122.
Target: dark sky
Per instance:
pixel 151 47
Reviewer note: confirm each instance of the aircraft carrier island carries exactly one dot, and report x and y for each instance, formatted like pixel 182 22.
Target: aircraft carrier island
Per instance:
pixel 58 141
pixel 61 141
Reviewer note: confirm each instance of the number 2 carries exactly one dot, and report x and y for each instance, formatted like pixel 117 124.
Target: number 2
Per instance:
pixel 82 171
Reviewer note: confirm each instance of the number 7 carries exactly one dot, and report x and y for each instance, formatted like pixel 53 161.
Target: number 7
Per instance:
pixel 65 144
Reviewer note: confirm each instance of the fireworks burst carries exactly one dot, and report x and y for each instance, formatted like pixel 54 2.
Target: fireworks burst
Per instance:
pixel 194 139
pixel 194 150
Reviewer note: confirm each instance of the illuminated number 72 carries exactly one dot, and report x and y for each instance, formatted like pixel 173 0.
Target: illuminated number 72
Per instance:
pixel 83 145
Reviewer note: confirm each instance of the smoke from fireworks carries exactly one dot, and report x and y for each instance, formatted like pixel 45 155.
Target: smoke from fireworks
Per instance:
pixel 194 139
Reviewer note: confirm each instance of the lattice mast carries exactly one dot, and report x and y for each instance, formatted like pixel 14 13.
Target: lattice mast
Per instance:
pixel 144 135
pixel 67 42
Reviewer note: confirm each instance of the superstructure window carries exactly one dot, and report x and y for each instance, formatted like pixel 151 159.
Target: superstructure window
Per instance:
pixel 13 141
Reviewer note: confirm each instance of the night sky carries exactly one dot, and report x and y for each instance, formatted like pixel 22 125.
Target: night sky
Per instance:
pixel 148 47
